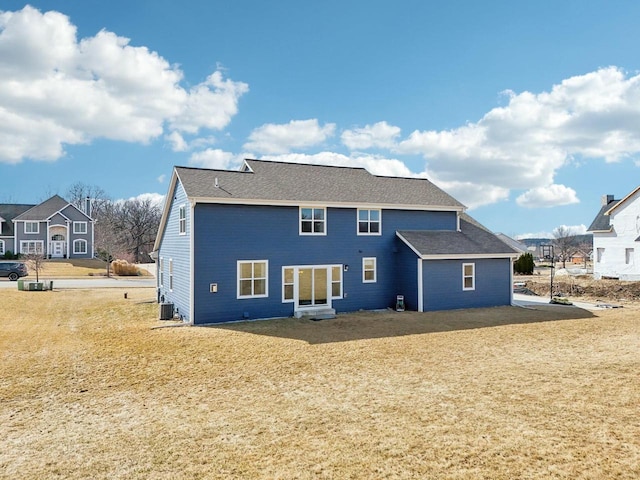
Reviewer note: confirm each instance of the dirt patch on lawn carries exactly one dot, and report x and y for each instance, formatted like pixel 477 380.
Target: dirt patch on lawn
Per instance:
pixel 585 288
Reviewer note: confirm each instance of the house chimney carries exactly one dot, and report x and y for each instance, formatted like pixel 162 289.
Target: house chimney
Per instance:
pixel 606 199
pixel 87 206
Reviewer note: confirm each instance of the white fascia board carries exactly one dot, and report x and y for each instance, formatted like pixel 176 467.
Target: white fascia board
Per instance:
pixel 292 203
pixel 468 256
pixel 165 209
pixel 404 240
pixel 608 212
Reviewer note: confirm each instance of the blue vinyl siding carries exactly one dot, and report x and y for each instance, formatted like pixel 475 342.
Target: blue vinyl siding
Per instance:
pixel 228 233
pixel 407 274
pixel 176 247
pixel 442 284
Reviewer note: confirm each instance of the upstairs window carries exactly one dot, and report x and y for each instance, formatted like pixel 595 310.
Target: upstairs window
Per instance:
pixel 252 279
pixel 31 227
pixel 369 222
pixel 79 227
pixel 468 276
pixel 182 220
pixel 313 221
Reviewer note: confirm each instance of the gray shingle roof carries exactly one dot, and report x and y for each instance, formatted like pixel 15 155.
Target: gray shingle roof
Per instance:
pixel 601 223
pixel 8 212
pixel 44 210
pixel 294 182
pixel 473 239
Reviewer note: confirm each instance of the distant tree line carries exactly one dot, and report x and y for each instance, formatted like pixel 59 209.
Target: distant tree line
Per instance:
pixel 124 229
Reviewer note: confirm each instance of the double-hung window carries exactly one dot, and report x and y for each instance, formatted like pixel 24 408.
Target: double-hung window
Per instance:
pixel 31 227
pixel 369 274
pixel 468 276
pixel 30 246
pixel 80 246
pixel 313 221
pixel 182 220
pixel 253 278
pixel 369 222
pixel 79 227
pixel 161 272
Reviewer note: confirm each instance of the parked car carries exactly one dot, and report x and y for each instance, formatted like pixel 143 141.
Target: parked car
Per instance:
pixel 13 270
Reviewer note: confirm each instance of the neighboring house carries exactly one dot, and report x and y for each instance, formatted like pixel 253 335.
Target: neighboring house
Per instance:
pixel 54 227
pixel 616 238
pixel 278 239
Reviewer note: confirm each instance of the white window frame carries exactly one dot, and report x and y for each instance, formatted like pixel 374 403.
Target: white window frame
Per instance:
pixel 600 255
pixel 182 220
pixel 313 221
pixel 253 278
pixel 80 242
pixel 31 224
pixel 78 230
pixel 1 247
pixel 368 221
pixel 296 268
pixel 628 256
pixel 292 284
pixel 171 275
pixel 161 271
pixel 27 250
pixel 472 277
pixel 365 270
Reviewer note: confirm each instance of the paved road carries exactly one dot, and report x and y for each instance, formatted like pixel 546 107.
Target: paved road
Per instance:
pixel 100 282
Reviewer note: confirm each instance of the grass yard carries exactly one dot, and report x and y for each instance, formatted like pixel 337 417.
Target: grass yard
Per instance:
pixel 90 390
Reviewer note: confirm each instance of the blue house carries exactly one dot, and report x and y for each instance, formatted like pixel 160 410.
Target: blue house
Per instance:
pixel 276 239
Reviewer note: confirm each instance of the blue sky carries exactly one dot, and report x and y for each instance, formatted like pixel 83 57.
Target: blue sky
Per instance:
pixel 526 112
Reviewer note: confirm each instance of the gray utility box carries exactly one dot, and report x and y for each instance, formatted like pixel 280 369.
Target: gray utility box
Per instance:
pixel 166 311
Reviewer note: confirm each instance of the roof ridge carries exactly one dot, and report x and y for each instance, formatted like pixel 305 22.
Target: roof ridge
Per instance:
pixel 282 162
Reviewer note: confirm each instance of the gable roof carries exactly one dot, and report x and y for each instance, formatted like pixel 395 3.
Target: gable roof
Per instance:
pixel 602 221
pixel 473 240
pixel 266 181
pixel 621 202
pixel 46 210
pixel 8 212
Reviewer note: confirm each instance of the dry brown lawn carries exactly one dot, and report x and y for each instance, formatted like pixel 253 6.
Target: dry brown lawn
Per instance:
pixel 73 268
pixel 90 390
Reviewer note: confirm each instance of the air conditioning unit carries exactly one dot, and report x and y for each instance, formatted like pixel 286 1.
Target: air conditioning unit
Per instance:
pixel 166 311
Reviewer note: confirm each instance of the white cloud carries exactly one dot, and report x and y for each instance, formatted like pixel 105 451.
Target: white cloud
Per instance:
pixel 374 164
pixel 282 138
pixel 523 144
pixel 378 135
pixel 177 141
pixel 571 229
pixel 56 90
pixel 550 196
pixel 216 159
pixel 162 178
pixel 155 198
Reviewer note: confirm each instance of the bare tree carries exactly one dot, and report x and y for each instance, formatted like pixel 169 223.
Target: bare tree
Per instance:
pixel 36 262
pixel 79 192
pixel 110 240
pixel 139 220
pixel 565 244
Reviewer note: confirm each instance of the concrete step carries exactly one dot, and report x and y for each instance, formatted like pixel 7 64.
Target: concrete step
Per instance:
pixel 320 313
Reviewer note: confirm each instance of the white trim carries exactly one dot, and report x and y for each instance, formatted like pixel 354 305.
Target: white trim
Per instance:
pixel 293 295
pixel 192 260
pixel 171 274
pixel 239 296
pixel 2 250
pixel 86 228
pixel 472 276
pixel 293 203
pixel 182 221
pixel 41 242
pixel 420 287
pixel 31 222
pixel 313 221
pixel 78 242
pixel 161 272
pixel 511 281
pixel 379 222
pixel 375 270
pixel 468 256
